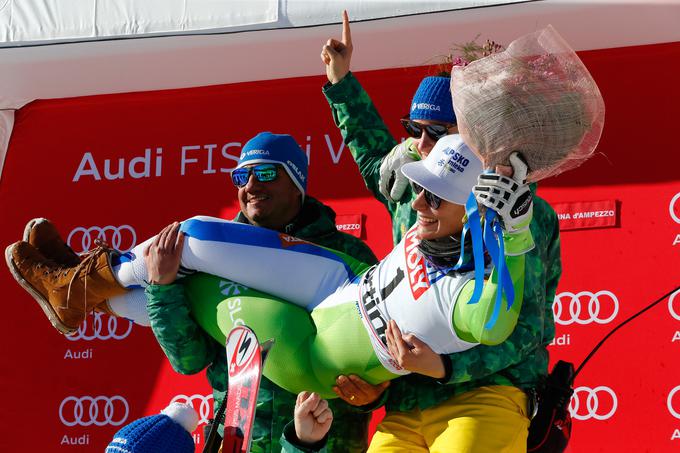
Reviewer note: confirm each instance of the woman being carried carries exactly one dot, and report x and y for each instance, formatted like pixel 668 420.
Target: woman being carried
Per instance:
pixel 327 312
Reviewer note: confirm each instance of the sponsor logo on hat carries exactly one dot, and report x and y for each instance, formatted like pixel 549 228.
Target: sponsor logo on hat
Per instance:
pixel 295 168
pixel 456 162
pixel 253 152
pixel 425 106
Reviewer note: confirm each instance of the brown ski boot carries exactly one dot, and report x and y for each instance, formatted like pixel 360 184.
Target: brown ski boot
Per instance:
pixel 65 294
pixel 43 235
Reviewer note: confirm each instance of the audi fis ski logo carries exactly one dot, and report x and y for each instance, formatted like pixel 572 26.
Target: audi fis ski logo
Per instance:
pixel 675 313
pixel 94 410
pixel 600 403
pixel 94 328
pixel 674 208
pixel 674 404
pixel 122 238
pixel 585 307
pixel 202 404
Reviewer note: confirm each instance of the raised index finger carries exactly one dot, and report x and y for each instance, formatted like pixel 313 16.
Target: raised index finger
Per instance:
pixel 346 33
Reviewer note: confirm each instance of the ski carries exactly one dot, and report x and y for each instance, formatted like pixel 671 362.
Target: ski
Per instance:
pixel 246 360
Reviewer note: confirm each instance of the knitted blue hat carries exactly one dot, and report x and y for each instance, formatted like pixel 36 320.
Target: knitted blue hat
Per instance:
pixel 167 432
pixel 282 149
pixel 432 101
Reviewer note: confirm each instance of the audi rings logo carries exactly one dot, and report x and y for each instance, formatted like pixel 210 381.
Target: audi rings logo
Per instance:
pixel 94 410
pixel 98 327
pixel 671 305
pixel 672 406
pixel 122 238
pixel 600 403
pixel 585 307
pixel 674 208
pixel 201 404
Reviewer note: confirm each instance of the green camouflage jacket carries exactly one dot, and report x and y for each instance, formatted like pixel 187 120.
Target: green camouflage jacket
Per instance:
pixel 190 349
pixel 522 360
pixel 369 141
pixel 291 444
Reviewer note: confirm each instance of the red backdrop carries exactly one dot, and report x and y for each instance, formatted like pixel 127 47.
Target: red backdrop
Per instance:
pixel 129 164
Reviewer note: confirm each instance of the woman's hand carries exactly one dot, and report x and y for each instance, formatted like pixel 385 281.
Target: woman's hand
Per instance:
pixel 412 354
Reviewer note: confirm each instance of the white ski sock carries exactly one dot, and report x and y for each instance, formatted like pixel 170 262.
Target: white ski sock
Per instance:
pixel 131 268
pixel 132 306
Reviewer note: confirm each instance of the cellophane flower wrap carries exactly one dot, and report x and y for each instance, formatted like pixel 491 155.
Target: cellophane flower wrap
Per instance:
pixel 535 97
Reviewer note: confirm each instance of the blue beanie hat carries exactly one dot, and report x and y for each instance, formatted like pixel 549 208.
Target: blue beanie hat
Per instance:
pixel 432 101
pixel 167 432
pixel 282 149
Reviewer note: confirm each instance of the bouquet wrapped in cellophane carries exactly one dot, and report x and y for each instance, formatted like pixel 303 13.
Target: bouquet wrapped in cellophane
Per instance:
pixel 535 97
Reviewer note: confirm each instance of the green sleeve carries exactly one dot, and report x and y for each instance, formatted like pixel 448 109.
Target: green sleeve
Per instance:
pixel 535 326
pixel 470 320
pixel 369 140
pixel 553 273
pixel 187 346
pixel 362 129
pixel 291 444
pixel 352 246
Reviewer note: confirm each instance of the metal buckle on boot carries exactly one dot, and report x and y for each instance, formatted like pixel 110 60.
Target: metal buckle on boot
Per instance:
pixel 532 403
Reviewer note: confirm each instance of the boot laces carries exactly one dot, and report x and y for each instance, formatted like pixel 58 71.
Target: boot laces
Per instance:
pixel 88 262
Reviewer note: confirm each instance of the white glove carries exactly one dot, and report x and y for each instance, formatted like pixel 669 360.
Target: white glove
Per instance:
pixel 392 182
pixel 510 197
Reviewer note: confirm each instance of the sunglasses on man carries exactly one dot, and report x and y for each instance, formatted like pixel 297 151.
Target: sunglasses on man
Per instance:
pixel 431 199
pixel 262 173
pixel 434 131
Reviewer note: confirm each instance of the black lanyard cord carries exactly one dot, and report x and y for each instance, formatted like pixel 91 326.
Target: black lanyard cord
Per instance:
pixel 668 294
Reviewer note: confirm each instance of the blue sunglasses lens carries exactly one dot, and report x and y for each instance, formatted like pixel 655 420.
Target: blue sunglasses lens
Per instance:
pixel 239 176
pixel 263 173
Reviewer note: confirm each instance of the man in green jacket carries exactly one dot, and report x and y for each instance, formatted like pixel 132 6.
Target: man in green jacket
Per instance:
pixel 522 360
pixel 271 194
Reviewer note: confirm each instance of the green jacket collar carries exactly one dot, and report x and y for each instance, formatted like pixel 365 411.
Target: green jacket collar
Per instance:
pixel 314 219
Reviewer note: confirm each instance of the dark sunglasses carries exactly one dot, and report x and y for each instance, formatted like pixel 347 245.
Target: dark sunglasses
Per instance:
pixel 262 172
pixel 415 129
pixel 432 200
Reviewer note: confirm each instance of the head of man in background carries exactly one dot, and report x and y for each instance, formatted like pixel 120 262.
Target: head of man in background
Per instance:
pixel 430 118
pixel 271 177
pixel 431 115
